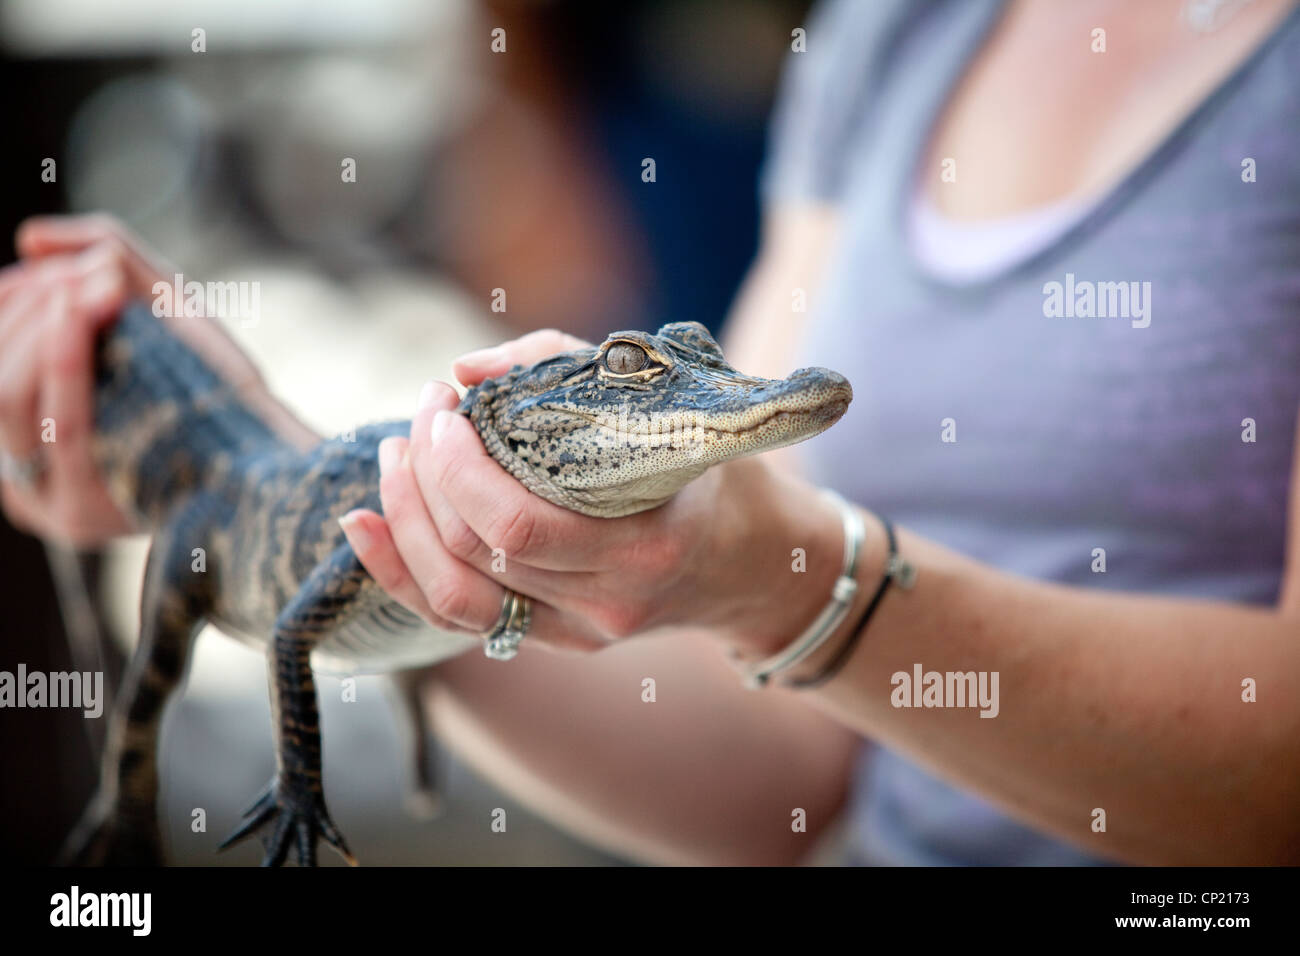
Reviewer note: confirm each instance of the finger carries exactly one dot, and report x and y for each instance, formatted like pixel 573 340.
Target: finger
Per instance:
pixel 19 372
pixel 25 280
pixel 23 509
pixel 66 397
pixel 100 295
pixel 370 538
pixel 12 276
pixel 26 323
pixel 43 236
pixel 453 590
pixel 49 236
pixel 20 300
pixel 474 367
pixel 25 505
pixel 95 275
pixel 506 515
pixel 459 538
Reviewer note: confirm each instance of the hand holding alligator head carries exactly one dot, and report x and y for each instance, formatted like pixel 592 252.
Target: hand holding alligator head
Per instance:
pixel 608 431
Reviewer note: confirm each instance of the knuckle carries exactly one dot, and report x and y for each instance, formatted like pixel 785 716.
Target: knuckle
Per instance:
pixel 47 274
pixel 63 517
pixel 516 531
pixel 446 597
pixel 542 337
pixel 81 530
pixel 623 618
pixel 658 556
pixel 70 431
pixel 541 343
pixel 67 358
pixel 459 539
pixel 10 398
pixel 393 492
pixel 383 563
pixel 446 470
pixel 383 568
pixel 445 395
pixel 13 511
pixel 107 224
pixel 117 249
pixel 551 339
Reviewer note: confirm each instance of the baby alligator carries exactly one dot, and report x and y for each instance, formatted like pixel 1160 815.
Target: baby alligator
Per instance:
pixel 246 535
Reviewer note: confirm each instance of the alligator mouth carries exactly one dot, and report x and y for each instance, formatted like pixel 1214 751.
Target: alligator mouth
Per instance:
pixel 696 425
pixel 823 415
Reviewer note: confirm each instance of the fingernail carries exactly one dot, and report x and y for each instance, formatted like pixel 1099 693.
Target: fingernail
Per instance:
pixel 97 287
pixel 94 259
pixel 440 423
pixel 388 455
pixel 356 532
pixel 482 356
pixel 426 397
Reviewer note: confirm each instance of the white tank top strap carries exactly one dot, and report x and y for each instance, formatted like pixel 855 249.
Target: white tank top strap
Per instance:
pixel 960 251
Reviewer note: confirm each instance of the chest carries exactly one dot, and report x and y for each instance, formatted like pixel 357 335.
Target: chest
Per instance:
pixel 1131 386
pixel 1062 101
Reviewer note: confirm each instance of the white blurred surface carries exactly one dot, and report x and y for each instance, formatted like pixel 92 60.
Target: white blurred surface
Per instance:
pixel 133 27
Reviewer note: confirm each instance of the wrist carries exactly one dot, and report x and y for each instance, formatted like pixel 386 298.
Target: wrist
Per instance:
pixel 263 403
pixel 793 558
pixel 878 554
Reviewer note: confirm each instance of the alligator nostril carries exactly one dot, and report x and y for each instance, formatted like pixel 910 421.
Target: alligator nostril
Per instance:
pixel 804 378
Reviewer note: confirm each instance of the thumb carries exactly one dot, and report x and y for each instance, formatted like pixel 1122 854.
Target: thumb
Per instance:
pixel 43 237
pixel 474 367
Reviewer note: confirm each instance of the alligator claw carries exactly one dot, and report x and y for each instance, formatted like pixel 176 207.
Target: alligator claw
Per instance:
pixel 107 836
pixel 281 817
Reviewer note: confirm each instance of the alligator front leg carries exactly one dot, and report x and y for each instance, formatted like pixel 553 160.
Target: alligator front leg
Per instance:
pixel 291 810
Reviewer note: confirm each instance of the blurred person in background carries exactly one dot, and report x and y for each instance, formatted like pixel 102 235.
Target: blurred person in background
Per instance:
pixel 1075 488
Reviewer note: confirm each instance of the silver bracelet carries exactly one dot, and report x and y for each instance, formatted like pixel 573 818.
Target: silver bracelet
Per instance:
pixel 832 616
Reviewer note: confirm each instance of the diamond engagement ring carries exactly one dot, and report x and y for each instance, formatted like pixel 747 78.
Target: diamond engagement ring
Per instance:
pixel 502 642
pixel 22 471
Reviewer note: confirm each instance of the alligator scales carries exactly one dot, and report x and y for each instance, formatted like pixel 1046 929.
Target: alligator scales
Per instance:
pixel 604 431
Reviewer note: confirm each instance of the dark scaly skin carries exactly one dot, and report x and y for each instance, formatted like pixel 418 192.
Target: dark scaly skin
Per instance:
pixel 201 471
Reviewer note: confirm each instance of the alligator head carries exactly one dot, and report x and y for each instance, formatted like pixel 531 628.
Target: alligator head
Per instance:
pixel 622 427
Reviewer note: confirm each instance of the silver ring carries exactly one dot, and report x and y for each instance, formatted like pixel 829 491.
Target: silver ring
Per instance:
pixel 22 471
pixel 502 642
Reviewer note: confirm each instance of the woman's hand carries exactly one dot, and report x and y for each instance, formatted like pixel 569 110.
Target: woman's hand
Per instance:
pixel 74 275
pixel 716 557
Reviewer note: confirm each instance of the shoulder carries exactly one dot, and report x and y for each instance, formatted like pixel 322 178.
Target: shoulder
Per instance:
pixel 837 59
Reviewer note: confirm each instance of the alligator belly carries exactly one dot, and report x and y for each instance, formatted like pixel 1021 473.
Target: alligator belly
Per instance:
pixel 379 636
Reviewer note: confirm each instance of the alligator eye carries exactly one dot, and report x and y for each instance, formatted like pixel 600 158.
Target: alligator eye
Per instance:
pixel 625 358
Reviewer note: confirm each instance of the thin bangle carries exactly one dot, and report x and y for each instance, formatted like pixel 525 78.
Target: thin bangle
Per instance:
pixel 896 570
pixel 832 616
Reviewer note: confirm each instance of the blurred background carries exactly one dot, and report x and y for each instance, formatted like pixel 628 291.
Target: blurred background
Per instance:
pixel 475 171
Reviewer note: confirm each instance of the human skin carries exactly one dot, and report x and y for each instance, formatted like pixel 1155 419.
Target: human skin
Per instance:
pixel 74 274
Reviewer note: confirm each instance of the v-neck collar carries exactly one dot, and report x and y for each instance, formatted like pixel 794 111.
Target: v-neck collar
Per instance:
pixel 1101 206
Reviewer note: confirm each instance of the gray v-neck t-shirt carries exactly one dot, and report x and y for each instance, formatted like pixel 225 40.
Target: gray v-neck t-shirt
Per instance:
pixel 1129 390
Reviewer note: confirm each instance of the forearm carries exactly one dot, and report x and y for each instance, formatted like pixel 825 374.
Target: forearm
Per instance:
pixel 228 359
pixel 1130 704
pixel 707 773
pixel 281 419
